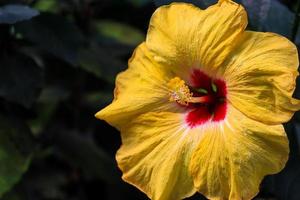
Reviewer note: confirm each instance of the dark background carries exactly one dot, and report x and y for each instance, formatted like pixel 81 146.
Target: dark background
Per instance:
pixel 58 62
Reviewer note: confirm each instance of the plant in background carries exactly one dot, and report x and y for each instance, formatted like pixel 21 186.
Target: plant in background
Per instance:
pixel 201 106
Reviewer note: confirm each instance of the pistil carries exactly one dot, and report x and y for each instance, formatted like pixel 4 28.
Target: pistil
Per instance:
pixel 180 93
pixel 202 99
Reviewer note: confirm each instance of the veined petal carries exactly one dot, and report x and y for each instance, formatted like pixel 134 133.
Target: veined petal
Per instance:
pixel 139 89
pixel 261 75
pixel 182 35
pixel 155 155
pixel 201 105
pixel 232 158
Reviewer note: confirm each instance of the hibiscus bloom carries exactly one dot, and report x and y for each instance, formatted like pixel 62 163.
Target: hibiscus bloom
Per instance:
pixel 201 106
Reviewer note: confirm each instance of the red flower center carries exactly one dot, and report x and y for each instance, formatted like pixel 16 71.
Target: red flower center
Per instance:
pixel 215 107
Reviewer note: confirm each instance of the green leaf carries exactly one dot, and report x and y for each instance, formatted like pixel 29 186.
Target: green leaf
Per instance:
pixel 47 5
pixel 119 32
pixel 46 106
pixel 11 14
pixel 11 196
pixel 53 94
pixel 20 79
pixel 43 182
pixel 16 147
pixel 55 35
pixel 96 98
pixel 102 62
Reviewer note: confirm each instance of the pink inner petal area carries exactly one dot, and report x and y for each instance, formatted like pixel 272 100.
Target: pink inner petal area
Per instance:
pixel 201 113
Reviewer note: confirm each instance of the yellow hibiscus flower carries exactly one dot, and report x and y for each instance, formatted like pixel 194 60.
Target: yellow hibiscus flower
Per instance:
pixel 201 106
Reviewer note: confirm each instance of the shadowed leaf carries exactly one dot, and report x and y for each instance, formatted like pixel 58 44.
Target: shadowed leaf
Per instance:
pixel 93 99
pixel 20 79
pixel 119 32
pixel 55 35
pixel 102 62
pixel 47 5
pixel 15 152
pixel 270 15
pixel 93 160
pixel 11 14
pixel 46 106
pixel 297 136
pixel 139 2
pixel 287 182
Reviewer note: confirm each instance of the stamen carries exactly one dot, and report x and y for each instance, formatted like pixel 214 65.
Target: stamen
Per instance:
pixel 181 93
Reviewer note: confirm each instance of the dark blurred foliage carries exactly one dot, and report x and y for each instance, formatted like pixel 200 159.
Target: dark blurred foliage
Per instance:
pixel 58 62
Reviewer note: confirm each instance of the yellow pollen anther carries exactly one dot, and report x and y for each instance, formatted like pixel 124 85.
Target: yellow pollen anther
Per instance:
pixel 181 93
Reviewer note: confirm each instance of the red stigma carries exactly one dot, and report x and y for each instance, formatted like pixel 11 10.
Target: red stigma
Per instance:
pixel 216 106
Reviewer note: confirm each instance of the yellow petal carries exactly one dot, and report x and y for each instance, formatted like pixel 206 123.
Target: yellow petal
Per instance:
pixel 139 89
pixel 182 35
pixel 233 157
pixel 261 75
pixel 155 155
